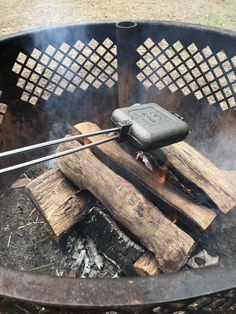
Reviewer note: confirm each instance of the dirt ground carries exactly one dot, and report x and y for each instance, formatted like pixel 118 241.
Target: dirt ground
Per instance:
pixel 27 243
pixel 18 15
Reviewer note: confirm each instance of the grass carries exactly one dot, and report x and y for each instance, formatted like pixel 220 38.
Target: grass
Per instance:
pixel 18 15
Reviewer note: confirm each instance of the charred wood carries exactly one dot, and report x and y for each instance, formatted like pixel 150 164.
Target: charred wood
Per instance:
pixel 116 245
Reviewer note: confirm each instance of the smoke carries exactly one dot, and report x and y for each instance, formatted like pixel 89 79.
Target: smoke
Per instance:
pixel 224 148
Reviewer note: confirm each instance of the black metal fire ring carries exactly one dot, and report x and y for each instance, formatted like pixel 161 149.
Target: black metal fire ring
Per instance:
pixel 121 292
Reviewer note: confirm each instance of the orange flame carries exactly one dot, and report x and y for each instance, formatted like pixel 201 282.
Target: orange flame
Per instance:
pixel 159 172
pixel 162 178
pixel 86 141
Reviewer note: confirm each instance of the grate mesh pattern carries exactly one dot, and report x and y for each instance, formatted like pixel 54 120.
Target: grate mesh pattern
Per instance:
pixel 66 69
pixel 218 303
pixel 200 72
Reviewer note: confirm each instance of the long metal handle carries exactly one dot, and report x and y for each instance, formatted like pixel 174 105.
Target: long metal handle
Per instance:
pixel 53 142
pixel 57 155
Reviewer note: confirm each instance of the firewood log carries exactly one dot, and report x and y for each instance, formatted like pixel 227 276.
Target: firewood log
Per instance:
pixel 127 205
pixel 59 201
pixel 199 170
pixel 230 175
pixel 146 265
pixel 200 215
pixel 64 207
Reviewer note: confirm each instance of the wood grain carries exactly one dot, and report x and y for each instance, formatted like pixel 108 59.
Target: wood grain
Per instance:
pixel 95 223
pixel 127 205
pixel 146 265
pixel 203 173
pixel 200 215
pixel 58 200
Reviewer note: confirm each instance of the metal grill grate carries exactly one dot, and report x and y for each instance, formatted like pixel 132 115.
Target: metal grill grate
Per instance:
pixel 218 303
pixel 206 75
pixel 66 69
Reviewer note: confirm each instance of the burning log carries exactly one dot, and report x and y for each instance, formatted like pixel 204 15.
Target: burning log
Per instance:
pixel 127 205
pixel 166 194
pixel 59 201
pixel 189 164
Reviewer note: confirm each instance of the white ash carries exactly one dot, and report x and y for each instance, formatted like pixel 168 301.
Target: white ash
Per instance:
pixel 94 255
pixel 82 254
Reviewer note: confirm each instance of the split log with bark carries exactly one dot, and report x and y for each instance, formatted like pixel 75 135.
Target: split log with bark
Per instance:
pixel 62 206
pixel 127 205
pixel 167 195
pixel 188 163
pixel 60 202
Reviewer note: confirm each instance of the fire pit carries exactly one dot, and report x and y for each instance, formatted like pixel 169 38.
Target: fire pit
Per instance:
pixel 52 79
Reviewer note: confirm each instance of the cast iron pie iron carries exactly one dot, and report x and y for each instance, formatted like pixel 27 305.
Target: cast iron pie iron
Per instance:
pixel 147 127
